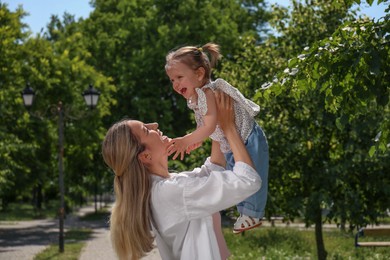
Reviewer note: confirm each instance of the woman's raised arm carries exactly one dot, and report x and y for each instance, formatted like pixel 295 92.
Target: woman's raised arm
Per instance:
pixel 226 122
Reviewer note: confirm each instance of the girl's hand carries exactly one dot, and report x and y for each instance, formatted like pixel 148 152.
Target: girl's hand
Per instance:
pixel 178 147
pixel 193 147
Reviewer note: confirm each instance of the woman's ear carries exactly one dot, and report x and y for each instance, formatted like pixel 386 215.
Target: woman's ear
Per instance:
pixel 145 157
pixel 200 73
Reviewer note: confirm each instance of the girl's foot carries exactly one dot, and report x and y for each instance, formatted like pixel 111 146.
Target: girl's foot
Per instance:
pixel 244 223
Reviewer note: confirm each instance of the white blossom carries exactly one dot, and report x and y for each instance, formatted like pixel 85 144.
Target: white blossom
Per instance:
pixel 293 71
pixel 378 136
pixel 266 85
pixel 284 80
pixel 302 56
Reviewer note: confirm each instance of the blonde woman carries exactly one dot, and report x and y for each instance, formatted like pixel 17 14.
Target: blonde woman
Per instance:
pixel 178 208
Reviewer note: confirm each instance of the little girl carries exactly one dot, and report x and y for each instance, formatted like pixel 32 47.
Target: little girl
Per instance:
pixel 189 69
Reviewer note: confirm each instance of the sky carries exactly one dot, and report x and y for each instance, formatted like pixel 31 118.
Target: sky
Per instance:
pixel 41 10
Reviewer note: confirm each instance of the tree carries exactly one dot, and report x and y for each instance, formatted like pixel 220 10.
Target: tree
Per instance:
pixel 57 71
pixel 315 110
pixel 12 148
pixel 129 40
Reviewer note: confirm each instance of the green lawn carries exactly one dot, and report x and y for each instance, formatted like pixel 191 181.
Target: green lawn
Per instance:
pixel 74 242
pixel 24 211
pixel 262 243
pixel 291 243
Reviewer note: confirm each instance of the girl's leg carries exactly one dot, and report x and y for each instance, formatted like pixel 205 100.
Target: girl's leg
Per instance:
pixel 257 146
pixel 254 206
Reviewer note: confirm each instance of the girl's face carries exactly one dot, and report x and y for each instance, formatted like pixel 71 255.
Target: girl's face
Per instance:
pixel 184 79
pixel 156 144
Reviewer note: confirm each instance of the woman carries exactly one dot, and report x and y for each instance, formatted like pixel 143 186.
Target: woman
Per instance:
pixel 178 207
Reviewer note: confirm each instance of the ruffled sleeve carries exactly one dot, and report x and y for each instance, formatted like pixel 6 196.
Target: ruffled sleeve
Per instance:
pixel 251 107
pixel 202 101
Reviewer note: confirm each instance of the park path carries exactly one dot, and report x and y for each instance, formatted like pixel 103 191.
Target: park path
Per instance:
pixel 22 240
pixel 100 248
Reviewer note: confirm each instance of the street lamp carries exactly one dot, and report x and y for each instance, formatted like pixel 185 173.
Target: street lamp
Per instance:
pixel 91 97
pixel 28 95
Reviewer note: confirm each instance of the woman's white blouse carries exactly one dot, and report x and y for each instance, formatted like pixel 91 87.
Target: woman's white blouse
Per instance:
pixel 182 206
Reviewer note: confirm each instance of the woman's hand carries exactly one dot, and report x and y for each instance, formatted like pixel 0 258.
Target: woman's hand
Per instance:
pixel 226 121
pixel 225 112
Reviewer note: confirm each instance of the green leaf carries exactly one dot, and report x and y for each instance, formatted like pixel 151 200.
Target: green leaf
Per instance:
pixel 372 151
pixel 375 63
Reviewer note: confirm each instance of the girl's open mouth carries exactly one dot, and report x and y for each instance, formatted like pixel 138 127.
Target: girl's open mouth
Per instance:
pixel 183 91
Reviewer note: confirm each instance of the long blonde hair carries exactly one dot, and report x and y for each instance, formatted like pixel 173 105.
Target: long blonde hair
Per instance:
pixel 195 57
pixel 130 217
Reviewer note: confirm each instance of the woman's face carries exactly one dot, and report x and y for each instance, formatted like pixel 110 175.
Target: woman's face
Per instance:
pixel 152 138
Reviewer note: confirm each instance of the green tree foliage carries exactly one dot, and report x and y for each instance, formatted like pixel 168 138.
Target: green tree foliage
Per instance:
pixel 13 150
pixel 129 41
pixel 58 72
pixel 324 95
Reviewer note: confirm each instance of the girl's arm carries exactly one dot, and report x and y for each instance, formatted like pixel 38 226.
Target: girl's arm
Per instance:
pixel 223 189
pixel 202 132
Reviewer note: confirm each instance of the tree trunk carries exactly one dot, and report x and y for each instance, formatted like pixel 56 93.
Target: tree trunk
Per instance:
pixel 39 196
pixel 321 252
pixel 95 197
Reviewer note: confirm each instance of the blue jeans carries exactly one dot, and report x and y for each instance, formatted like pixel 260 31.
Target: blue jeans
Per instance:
pixel 257 146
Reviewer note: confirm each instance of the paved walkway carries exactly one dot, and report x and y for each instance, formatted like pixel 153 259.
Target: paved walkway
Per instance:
pixel 22 240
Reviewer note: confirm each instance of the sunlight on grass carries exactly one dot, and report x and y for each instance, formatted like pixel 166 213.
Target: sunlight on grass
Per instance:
pixel 102 214
pixel 290 243
pixel 75 240
pixel 24 211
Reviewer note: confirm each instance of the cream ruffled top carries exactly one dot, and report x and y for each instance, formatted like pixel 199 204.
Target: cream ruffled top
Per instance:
pixel 245 110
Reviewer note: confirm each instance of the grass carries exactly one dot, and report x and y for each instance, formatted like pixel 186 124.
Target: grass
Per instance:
pixel 23 211
pixel 75 240
pixel 101 214
pixel 264 243
pixel 291 243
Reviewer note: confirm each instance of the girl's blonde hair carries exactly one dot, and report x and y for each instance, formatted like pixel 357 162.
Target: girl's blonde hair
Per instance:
pixel 130 217
pixel 194 57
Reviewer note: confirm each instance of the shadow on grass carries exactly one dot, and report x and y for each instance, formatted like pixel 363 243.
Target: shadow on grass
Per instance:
pixel 23 211
pixel 75 240
pixel 100 215
pixel 289 240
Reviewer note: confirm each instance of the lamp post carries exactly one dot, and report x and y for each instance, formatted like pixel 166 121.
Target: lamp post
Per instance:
pixel 91 97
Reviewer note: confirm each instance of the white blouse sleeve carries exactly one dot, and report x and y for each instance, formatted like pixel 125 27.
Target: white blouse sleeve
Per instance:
pixel 214 189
